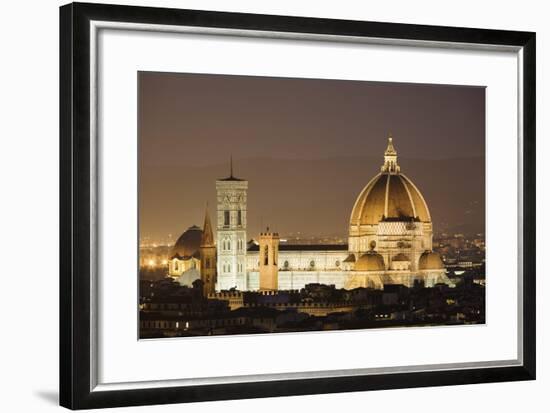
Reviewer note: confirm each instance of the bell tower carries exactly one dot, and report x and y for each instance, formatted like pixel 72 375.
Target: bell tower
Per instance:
pixel 231 232
pixel 208 257
pixel 269 258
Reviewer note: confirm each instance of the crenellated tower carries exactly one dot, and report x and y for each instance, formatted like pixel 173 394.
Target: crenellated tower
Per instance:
pixel 269 257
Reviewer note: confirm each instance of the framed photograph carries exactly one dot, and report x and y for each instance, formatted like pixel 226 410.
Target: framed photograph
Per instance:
pixel 257 206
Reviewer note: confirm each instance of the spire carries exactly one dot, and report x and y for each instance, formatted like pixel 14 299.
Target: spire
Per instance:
pixel 390 150
pixel 231 177
pixel 207 238
pixel 390 158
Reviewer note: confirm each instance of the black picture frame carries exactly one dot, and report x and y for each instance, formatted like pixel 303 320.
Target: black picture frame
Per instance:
pixel 75 219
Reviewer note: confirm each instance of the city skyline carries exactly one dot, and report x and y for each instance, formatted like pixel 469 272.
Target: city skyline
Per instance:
pixel 191 124
pixel 360 195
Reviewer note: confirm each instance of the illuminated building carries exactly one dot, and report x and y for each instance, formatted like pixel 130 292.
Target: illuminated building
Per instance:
pixel 390 241
pixel 231 232
pixel 184 260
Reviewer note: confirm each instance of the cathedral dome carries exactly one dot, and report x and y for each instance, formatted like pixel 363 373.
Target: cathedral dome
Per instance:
pixel 389 197
pixel 430 260
pixel 371 261
pixel 188 243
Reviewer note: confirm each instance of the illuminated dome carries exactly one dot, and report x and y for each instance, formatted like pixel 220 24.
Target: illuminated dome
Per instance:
pixel 188 277
pixel 389 196
pixel 430 260
pixel 188 243
pixel 371 261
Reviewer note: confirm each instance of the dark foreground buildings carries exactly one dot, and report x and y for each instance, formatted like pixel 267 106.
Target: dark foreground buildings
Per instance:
pixel 168 309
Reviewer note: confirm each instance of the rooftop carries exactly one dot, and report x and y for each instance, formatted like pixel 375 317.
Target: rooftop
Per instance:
pixel 305 247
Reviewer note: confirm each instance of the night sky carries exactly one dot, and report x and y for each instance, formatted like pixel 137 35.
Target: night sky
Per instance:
pixel 307 147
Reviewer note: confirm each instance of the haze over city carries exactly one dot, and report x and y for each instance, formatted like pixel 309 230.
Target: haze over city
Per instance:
pixel 307 148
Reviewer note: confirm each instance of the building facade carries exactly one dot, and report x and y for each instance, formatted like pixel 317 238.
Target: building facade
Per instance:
pixel 231 232
pixel 268 258
pixel 389 242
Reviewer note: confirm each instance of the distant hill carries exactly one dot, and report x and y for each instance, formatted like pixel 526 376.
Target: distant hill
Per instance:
pixel 311 196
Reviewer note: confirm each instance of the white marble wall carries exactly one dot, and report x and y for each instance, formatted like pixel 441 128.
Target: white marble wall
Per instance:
pixel 295 280
pixel 302 260
pixel 231 234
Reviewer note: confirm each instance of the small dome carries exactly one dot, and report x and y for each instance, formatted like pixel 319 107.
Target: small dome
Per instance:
pixel 371 261
pixel 188 277
pixel 430 260
pixel 350 258
pixel 188 243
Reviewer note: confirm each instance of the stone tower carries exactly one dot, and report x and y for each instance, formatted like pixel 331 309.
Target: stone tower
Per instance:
pixel 208 257
pixel 231 232
pixel 269 257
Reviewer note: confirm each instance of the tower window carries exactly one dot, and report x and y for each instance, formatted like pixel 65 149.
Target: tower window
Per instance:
pixel 266 258
pixel 239 218
pixel 226 218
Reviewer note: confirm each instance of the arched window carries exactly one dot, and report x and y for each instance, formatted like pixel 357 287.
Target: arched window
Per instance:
pixel 266 258
pixel 312 264
pixel 286 265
